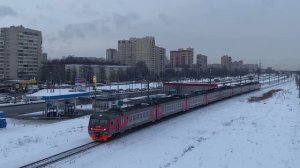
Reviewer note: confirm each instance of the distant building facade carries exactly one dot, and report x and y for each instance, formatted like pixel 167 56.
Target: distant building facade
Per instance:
pixel 182 58
pixel 251 67
pixel 202 62
pixel 226 62
pixel 237 65
pixel 101 72
pixel 112 55
pixel 125 52
pixel 142 49
pixel 20 52
pixel 44 58
pixel 214 66
pixel 160 60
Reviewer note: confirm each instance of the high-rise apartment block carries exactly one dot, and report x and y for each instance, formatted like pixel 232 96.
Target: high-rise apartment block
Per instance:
pixel 182 58
pixel 20 52
pixel 112 55
pixel 125 52
pixel 160 60
pixel 142 49
pixel 202 62
pixel 226 62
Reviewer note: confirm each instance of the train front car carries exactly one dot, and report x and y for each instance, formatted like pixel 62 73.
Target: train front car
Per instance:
pixel 99 127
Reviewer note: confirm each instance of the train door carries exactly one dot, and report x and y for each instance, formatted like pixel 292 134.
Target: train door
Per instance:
pixel 159 111
pixel 113 125
pixel 153 113
pixel 205 99
pixel 185 104
pixel 122 123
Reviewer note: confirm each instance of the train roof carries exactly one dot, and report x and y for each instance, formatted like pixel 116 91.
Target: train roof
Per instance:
pixel 191 84
pixel 105 115
pixel 115 111
pixel 223 88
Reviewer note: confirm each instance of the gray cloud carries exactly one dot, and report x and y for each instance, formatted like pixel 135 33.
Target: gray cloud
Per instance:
pixel 77 30
pixel 164 18
pixel 125 20
pixel 7 11
pixel 268 3
pixel 81 30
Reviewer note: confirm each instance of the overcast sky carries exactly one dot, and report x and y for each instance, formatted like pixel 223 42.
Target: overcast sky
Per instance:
pixel 251 30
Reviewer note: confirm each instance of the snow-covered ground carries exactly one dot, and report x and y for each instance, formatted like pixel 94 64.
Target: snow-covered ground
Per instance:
pixel 23 142
pixel 230 133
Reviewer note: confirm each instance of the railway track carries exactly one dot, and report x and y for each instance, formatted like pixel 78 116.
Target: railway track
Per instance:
pixel 63 155
pixel 72 152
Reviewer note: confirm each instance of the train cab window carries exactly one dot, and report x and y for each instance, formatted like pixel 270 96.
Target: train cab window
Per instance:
pixel 96 121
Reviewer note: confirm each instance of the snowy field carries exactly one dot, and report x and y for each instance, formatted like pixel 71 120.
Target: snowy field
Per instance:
pixel 230 133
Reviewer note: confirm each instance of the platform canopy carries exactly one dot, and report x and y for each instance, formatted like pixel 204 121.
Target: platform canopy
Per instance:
pixel 56 94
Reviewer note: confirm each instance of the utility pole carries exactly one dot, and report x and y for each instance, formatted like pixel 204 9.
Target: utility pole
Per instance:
pixel 299 86
pixel 298 83
pixel 210 75
pixel 269 79
pixel 148 90
pixel 240 80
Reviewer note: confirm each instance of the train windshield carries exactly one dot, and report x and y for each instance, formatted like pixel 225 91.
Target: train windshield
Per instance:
pixel 95 121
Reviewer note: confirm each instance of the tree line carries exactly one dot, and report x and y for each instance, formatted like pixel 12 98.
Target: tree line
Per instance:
pixel 54 71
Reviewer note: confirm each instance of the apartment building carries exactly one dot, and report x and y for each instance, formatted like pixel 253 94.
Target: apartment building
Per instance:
pixel 125 52
pixel 160 60
pixel 142 49
pixel 182 58
pixel 112 55
pixel 202 62
pixel 226 62
pixel 20 52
